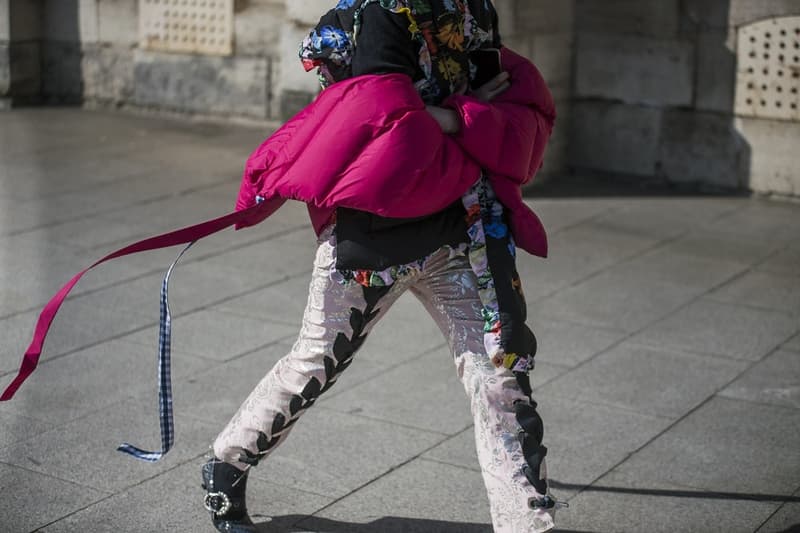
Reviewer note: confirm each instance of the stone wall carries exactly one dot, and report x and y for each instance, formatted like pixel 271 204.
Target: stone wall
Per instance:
pixel 644 88
pixel 5 72
pixel 543 30
pixel 65 50
pixel 22 44
pixel 61 53
pixel 118 72
pixel 654 96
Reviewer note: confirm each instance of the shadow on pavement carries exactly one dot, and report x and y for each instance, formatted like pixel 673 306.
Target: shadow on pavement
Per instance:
pixel 387 524
pixel 705 495
pixel 597 185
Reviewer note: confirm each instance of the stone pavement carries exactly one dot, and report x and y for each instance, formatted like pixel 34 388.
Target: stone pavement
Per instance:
pixel 668 374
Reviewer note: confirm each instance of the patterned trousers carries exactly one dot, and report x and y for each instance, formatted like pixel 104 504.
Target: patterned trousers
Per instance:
pixel 335 324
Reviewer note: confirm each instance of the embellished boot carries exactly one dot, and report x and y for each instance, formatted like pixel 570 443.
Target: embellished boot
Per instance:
pixel 225 487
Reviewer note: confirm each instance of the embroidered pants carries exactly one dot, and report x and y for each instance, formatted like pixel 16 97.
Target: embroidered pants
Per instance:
pixel 335 324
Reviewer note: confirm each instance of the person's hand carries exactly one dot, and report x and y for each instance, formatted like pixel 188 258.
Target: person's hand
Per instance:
pixel 448 119
pixel 492 88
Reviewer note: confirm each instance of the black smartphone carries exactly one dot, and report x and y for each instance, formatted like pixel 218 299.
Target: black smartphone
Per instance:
pixel 487 65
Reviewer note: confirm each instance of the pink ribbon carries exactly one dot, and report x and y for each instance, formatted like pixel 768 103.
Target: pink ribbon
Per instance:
pixel 181 236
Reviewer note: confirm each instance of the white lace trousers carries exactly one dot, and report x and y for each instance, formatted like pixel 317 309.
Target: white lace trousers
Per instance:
pixel 336 321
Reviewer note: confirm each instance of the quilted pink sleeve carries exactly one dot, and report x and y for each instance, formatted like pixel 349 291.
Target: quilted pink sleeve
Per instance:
pixel 506 139
pixel 508 135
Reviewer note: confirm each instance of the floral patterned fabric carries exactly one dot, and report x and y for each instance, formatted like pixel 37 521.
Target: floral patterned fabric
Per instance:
pixel 443 31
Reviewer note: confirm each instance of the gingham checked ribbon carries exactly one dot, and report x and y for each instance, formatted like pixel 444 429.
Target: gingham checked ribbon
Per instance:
pixel 164 375
pixel 187 235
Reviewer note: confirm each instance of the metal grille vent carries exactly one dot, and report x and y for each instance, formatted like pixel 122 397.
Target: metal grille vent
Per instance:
pixel 187 26
pixel 768 74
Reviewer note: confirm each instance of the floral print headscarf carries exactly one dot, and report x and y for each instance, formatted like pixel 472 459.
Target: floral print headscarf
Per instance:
pixel 445 30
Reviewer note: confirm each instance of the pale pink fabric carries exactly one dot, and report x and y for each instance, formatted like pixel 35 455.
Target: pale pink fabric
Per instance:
pixel 367 143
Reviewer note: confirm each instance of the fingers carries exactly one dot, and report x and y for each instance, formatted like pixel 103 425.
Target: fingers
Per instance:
pixel 493 87
pixel 500 78
pixel 497 91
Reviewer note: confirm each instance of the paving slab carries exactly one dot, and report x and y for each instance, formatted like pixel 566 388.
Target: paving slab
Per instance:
pixel 698 210
pixel 32 271
pixel 33 500
pixel 406 308
pixel 79 324
pixel 656 382
pixel 393 341
pixel 701 450
pixel 762 220
pixel 332 454
pixel 206 400
pixel 435 400
pixel 664 265
pixel 284 303
pixel 217 335
pixel 214 395
pixel 785 520
pixel 173 211
pixel 91 442
pixel 51 173
pixel 647 219
pixel 457 450
pixel 17 427
pixel 106 198
pixel 723 243
pixel 419 497
pixel 617 264
pixel 558 214
pixel 774 380
pixel 568 344
pixel 613 300
pixel 793 344
pixel 88 234
pixel 622 503
pixel 90 380
pixel 764 290
pixel 281 303
pixel 173 502
pixel 577 253
pixel 785 261
pixel 723 329
pixel 584 441
pixel 16 332
pixel 283 256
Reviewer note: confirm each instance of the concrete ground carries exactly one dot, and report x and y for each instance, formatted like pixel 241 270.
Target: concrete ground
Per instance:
pixel 668 374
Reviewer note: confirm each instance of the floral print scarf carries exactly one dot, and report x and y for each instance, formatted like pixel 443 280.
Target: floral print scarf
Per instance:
pixel 445 31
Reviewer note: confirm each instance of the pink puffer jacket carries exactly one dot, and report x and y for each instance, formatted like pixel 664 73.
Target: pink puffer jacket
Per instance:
pixel 367 143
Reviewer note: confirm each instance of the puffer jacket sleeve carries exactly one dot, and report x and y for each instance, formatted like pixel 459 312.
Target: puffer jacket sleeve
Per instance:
pixel 508 135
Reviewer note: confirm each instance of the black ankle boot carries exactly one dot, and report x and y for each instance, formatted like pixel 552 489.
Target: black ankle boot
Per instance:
pixel 225 487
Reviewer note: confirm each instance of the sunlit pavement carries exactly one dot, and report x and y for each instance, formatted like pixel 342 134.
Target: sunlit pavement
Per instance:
pixel 668 373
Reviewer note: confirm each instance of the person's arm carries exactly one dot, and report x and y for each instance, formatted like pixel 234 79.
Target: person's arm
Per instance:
pixel 508 135
pixel 385 46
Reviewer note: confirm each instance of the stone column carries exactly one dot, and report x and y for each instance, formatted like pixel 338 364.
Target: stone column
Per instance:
pixel 5 36
pixel 24 36
pixel 61 73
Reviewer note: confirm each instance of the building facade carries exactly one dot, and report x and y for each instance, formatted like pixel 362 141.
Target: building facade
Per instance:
pixel 664 91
